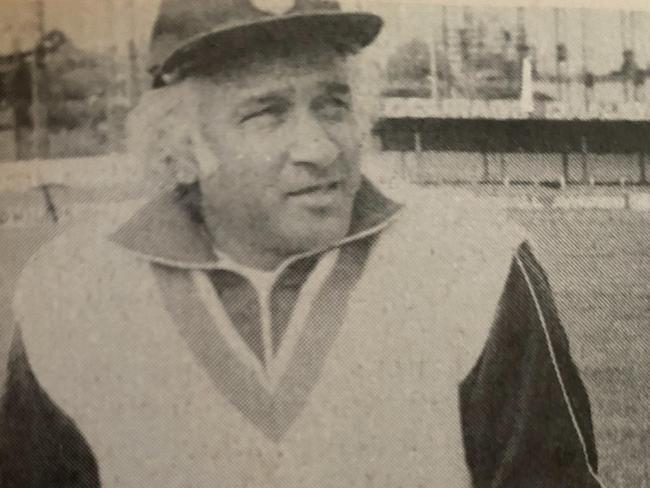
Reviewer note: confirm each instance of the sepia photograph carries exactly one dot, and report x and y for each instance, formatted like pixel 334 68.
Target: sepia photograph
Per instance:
pixel 324 244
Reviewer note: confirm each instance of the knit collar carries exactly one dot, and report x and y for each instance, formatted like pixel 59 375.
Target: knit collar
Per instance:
pixel 168 230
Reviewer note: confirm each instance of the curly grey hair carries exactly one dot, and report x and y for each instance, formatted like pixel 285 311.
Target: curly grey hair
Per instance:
pixel 160 132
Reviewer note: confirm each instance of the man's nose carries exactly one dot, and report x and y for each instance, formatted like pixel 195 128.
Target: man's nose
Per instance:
pixel 311 144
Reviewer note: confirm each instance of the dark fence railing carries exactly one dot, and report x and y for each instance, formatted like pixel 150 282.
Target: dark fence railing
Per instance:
pixel 570 140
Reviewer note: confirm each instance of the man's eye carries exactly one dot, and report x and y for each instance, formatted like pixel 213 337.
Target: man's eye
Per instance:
pixel 334 107
pixel 338 102
pixel 271 110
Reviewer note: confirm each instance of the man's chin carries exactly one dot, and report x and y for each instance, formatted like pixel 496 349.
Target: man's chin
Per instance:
pixel 313 232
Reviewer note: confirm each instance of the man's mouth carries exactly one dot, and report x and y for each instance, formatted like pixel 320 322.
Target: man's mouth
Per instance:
pixel 320 188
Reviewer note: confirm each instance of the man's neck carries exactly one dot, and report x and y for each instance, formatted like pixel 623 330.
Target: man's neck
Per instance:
pixel 241 252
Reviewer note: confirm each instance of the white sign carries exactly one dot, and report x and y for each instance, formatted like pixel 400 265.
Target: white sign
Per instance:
pixel 461 108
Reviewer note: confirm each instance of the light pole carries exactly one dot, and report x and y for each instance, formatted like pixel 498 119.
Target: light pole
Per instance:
pixel 40 140
pixel 111 88
pixel 445 47
pixel 587 76
pixel 134 63
pixel 433 62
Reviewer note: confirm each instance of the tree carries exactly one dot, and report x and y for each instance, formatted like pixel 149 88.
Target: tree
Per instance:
pixel 410 62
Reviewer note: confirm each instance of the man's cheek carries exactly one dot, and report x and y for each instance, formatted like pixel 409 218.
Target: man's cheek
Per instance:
pixel 349 140
pixel 350 157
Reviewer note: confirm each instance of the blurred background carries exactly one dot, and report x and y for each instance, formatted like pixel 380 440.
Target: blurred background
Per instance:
pixel 574 80
pixel 544 111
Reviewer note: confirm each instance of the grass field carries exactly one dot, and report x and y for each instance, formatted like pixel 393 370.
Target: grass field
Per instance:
pixel 599 265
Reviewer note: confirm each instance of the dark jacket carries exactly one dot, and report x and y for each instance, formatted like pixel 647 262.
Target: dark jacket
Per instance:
pixel 525 414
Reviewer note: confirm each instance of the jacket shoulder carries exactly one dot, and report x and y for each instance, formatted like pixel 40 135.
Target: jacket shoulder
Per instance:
pixel 454 252
pixel 67 269
pixel 460 222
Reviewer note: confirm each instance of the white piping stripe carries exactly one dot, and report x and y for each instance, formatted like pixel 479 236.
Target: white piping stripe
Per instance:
pixel 211 301
pixel 216 264
pixel 300 314
pixel 558 374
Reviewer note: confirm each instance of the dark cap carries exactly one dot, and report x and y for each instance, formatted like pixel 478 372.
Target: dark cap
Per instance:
pixel 189 29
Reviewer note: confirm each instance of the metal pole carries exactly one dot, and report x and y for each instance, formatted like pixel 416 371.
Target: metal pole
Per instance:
pixel 49 203
pixel 522 38
pixel 467 45
pixel 433 46
pixel 623 20
pixel 634 46
pixel 585 62
pixel 643 50
pixel 35 109
pixel 584 150
pixel 643 179
pixel 19 132
pixel 134 64
pixel 558 64
pixel 40 141
pixel 110 92
pixel 445 45
pixel 486 167
pixel 420 174
pixel 632 38
pixel 521 26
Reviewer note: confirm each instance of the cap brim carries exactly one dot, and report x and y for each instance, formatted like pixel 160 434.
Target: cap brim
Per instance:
pixel 337 28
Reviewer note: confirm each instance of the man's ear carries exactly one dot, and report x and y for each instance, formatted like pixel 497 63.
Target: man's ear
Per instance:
pixel 160 136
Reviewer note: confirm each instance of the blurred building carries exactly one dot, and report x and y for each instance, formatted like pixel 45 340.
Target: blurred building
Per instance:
pixel 492 97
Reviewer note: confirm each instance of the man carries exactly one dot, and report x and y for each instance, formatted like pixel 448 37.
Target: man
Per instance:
pixel 273 319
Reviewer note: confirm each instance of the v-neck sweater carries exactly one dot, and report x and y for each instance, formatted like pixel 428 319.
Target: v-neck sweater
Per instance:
pixel 399 376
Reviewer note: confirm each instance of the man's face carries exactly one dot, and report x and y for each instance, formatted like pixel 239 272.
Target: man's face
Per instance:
pixel 287 145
